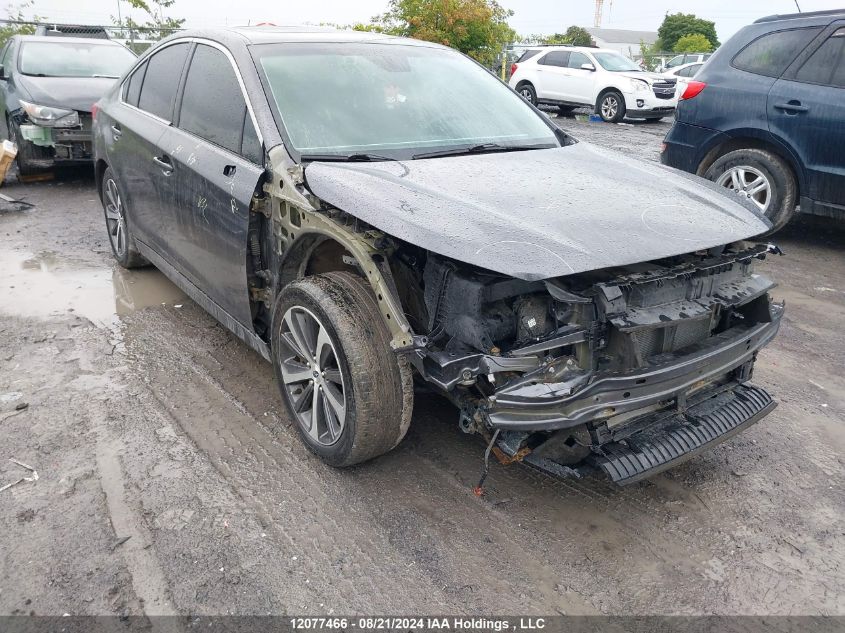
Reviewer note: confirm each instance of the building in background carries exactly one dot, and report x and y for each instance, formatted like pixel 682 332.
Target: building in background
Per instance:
pixel 622 40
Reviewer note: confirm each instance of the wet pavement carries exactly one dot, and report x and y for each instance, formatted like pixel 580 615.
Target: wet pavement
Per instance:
pixel 146 419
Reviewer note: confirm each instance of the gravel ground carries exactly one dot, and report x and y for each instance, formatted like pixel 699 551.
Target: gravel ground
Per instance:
pixel 172 482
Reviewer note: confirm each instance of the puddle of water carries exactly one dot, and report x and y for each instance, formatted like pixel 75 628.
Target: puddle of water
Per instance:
pixel 45 284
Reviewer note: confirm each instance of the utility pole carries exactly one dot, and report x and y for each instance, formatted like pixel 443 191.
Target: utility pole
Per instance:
pixel 597 18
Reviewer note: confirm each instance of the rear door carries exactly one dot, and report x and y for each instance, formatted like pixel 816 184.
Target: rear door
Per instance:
pixel 217 160
pixel 137 126
pixel 552 70
pixel 806 110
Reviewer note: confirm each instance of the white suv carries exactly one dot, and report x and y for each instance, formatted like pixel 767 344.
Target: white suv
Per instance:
pixel 571 77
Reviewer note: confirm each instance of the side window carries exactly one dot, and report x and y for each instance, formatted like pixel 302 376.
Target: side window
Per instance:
pixel 250 145
pixel 132 87
pixel 576 59
pixel 771 54
pixel 684 72
pixel 161 80
pixel 213 105
pixel 555 58
pixel 8 56
pixel 827 65
pixel 527 55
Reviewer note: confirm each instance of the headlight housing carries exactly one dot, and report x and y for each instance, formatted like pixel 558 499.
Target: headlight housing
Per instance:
pixel 638 85
pixel 47 116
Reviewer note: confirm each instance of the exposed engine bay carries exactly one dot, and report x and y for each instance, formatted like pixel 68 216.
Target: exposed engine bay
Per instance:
pixel 563 370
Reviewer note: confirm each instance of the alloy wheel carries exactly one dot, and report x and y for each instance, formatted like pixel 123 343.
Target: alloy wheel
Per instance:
pixel 750 183
pixel 609 107
pixel 526 94
pixel 308 362
pixel 115 220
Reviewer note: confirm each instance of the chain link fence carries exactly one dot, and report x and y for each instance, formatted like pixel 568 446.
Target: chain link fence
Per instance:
pixel 137 38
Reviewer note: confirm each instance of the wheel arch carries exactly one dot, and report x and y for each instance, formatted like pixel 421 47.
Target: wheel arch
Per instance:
pixel 324 247
pixel 744 140
pixel 603 92
pixel 100 167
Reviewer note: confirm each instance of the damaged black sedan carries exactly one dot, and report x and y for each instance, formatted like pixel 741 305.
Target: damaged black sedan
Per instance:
pixel 48 86
pixel 359 208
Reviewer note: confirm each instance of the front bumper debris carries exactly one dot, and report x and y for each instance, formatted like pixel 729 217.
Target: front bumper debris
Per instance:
pixel 675 439
pixel 551 406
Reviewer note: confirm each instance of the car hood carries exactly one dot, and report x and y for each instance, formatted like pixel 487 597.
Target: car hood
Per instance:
pixel 648 77
pixel 538 214
pixel 75 93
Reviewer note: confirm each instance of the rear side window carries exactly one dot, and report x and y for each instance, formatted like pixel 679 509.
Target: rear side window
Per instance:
pixel 827 65
pixel 527 55
pixel 771 54
pixel 556 58
pixel 133 86
pixel 213 105
pixel 162 80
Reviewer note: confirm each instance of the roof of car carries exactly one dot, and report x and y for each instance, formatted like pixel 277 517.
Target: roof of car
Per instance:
pixel 567 47
pixel 72 40
pixel 284 34
pixel 796 16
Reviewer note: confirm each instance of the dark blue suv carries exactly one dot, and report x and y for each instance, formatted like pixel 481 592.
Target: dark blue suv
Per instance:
pixel 765 116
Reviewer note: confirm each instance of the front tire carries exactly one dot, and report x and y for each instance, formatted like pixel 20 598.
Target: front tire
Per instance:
pixel 611 107
pixel 28 153
pixel 763 178
pixel 350 395
pixel 527 92
pixel 123 245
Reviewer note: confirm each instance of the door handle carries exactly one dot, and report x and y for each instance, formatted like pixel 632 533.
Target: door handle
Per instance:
pixel 229 170
pixel 792 107
pixel 116 131
pixel 164 163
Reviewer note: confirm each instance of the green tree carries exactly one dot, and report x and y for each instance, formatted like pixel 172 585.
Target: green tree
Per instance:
pixel 649 53
pixel 156 26
pixel 676 25
pixel 15 13
pixel 478 28
pixel 574 36
pixel 693 43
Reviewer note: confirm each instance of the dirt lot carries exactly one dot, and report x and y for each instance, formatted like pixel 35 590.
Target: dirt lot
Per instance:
pixel 147 421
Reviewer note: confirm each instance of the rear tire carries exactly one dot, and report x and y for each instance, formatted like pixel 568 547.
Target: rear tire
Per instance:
pixel 744 170
pixel 611 107
pixel 527 92
pixel 329 335
pixel 122 242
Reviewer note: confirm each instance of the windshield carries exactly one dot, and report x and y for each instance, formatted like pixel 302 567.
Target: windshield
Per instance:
pixel 615 62
pixel 347 98
pixel 74 59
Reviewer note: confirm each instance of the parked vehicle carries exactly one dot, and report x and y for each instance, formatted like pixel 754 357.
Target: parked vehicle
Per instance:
pixel 572 77
pixel 766 116
pixel 684 70
pixel 47 88
pixel 684 59
pixel 412 214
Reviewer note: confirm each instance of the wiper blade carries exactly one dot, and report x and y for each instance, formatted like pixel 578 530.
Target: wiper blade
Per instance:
pixel 359 157
pixel 107 76
pixel 482 148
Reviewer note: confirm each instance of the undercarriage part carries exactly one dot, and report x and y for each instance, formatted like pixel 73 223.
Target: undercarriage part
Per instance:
pixel 677 438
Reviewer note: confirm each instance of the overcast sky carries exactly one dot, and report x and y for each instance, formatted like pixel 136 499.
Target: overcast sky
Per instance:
pixel 530 16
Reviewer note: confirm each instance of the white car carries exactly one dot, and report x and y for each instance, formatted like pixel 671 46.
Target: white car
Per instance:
pixel 683 75
pixel 683 59
pixel 573 77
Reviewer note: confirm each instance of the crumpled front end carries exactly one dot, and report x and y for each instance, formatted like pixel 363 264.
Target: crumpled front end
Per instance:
pixel 630 370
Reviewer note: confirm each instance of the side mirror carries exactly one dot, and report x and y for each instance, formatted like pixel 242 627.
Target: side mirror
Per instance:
pixel 589 67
